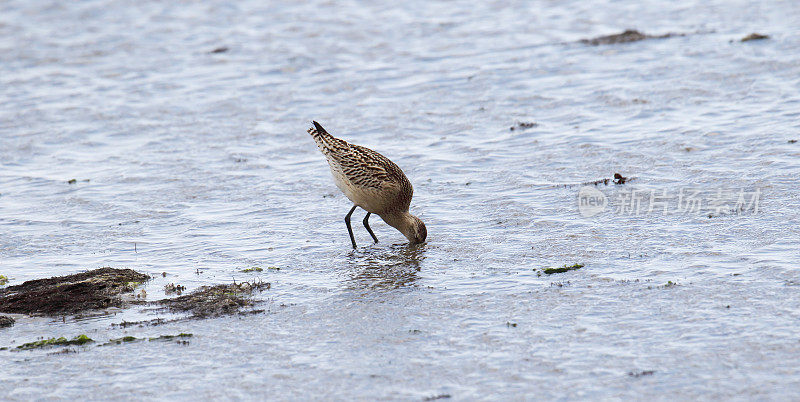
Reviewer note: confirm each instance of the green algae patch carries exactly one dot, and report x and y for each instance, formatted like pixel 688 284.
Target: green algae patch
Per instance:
pixel 119 341
pixel 78 340
pixel 565 268
pixel 171 337
pixel 96 289
pixel 83 339
pixel 3 280
pixel 259 269
pixel 668 285
pixel 131 339
pixel 254 269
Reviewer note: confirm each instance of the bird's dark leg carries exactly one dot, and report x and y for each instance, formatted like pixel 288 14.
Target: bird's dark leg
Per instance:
pixel 349 229
pixel 366 225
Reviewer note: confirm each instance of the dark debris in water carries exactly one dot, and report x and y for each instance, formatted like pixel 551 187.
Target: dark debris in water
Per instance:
pixel 65 351
pixel 641 373
pixel 221 49
pixel 597 182
pixel 211 301
pixel 523 126
pixel 172 288
pixel 754 36
pixel 119 341
pixel 95 289
pixel 170 337
pixel 251 312
pixel 629 35
pixel 6 321
pixel 438 397
pixel 153 322
pixel 618 179
pixel 668 285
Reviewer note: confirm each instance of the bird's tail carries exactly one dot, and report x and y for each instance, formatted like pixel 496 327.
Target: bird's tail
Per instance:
pixel 318 132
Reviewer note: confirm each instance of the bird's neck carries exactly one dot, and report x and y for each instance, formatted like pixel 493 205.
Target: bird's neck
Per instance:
pixel 402 221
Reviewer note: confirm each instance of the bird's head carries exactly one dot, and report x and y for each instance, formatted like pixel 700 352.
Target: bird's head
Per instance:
pixel 409 225
pixel 414 230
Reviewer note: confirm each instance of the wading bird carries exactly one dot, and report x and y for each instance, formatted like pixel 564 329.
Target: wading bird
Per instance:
pixel 371 181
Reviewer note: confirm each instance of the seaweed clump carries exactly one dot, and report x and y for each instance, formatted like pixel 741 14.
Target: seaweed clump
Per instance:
pixel 78 340
pixel 95 289
pixel 254 269
pixel 629 35
pixel 130 339
pixel 170 337
pixel 212 301
pixel 119 341
pixel 6 321
pixel 754 36
pixel 565 268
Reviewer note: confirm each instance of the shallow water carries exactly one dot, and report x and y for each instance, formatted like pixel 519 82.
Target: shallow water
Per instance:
pixel 198 165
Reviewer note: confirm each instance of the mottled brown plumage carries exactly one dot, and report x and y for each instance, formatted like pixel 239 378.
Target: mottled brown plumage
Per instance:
pixel 371 181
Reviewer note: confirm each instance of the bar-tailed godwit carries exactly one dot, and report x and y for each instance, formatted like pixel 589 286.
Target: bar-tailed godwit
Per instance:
pixel 371 181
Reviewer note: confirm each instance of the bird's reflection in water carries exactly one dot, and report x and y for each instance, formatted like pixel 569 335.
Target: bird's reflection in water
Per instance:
pixel 393 267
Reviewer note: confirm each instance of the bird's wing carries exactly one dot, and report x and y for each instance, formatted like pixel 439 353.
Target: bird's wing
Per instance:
pixel 365 167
